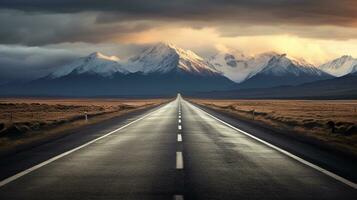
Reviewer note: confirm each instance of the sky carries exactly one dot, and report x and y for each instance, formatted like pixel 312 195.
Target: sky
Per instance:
pixel 39 35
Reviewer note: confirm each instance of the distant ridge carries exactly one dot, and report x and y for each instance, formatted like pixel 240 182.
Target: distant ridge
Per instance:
pixel 337 88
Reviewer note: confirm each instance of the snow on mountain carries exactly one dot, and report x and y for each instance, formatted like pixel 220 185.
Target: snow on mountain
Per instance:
pixel 280 65
pixel 95 63
pixel 164 58
pixel 281 70
pixel 340 66
pixel 259 62
pixel 238 67
pixel 163 70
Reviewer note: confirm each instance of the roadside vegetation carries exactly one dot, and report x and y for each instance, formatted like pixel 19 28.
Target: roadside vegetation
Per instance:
pixel 27 121
pixel 330 123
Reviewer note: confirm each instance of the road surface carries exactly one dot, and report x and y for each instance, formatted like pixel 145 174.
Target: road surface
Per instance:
pixel 175 152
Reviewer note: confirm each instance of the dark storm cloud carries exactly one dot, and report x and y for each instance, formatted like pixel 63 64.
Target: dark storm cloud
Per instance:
pixel 22 63
pixel 38 35
pixel 40 22
pixel 314 12
pixel 39 29
pixel 26 63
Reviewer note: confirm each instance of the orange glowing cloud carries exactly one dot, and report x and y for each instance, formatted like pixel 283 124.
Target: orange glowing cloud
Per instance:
pixel 313 50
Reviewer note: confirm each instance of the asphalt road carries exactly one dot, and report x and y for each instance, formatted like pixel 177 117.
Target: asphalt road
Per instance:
pixel 175 152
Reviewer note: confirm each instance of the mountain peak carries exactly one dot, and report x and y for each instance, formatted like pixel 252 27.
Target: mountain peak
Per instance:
pixel 94 63
pixel 169 47
pixel 282 64
pixel 340 66
pixel 165 57
pixel 165 45
pixel 161 47
pixel 346 57
pixel 237 66
pixel 282 70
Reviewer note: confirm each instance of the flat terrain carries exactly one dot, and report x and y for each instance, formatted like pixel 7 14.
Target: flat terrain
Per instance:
pixel 306 118
pixel 176 151
pixel 23 120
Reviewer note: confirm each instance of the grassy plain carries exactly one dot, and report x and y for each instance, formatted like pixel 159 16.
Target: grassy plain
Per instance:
pixel 307 118
pixel 27 120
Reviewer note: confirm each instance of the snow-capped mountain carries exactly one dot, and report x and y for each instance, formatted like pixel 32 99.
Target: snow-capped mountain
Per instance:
pixel 280 65
pixel 238 67
pixel 164 69
pixel 340 66
pixel 281 70
pixel 164 58
pixel 95 63
pixel 161 69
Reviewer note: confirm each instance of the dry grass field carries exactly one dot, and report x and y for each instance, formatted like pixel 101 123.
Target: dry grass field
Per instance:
pixel 331 122
pixel 49 110
pixel 24 120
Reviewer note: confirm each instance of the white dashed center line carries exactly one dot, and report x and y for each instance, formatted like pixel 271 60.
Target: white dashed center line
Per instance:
pixel 179 160
pixel 179 138
pixel 178 197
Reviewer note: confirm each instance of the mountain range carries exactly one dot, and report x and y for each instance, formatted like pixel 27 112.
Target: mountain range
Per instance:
pixel 280 70
pixel 161 69
pixel 240 68
pixel 164 69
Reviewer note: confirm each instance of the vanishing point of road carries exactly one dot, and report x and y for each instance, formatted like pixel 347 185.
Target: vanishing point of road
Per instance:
pixel 177 151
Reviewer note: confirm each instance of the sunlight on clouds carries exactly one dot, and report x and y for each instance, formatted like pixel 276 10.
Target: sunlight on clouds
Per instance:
pixel 308 49
pixel 186 37
pixel 315 51
pixel 312 50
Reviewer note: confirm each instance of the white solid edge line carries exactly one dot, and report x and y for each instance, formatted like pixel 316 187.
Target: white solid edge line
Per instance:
pixel 31 169
pixel 178 197
pixel 179 160
pixel 179 138
pixel 328 173
pixel 179 127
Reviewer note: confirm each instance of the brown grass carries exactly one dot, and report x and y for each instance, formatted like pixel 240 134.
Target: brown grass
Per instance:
pixel 48 110
pixel 27 120
pixel 307 118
